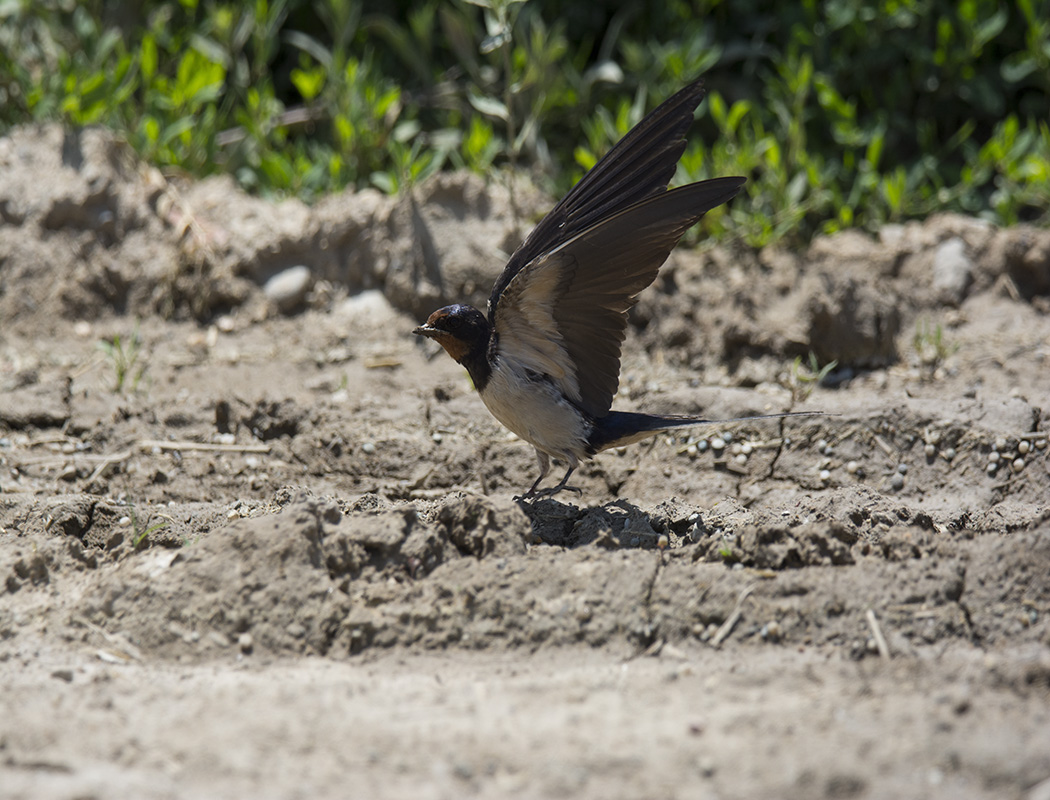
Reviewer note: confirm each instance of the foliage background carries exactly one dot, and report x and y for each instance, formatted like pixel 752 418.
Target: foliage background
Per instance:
pixel 842 113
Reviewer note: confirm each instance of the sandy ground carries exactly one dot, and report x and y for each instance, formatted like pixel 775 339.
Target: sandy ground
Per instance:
pixel 283 559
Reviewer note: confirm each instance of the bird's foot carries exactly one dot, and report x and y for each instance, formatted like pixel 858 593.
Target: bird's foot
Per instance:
pixel 537 494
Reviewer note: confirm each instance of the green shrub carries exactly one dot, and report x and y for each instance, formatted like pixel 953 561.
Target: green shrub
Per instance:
pixel 842 113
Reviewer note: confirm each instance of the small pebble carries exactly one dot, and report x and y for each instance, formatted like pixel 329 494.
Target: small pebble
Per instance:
pixel 662 542
pixel 746 448
pixel 902 468
pixel 1000 443
pixel 949 454
pixel 736 449
pixel 1017 465
pixel 124 521
pixel 1023 447
pixel 930 450
pixel 991 468
pixel 1040 444
pixel 825 475
pixel 702 445
pixel 437 437
pixel 993 457
pixel 852 467
pixel 740 458
pixel 771 631
pixel 897 482
pixel 368 448
pixel 691 450
pixel 287 289
pixel 728 436
pixel 244 641
pixel 822 444
pixel 718 444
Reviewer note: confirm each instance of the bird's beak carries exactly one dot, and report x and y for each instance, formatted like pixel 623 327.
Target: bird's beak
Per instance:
pixel 426 330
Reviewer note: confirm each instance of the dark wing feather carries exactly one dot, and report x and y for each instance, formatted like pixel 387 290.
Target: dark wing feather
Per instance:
pixel 641 164
pixel 565 313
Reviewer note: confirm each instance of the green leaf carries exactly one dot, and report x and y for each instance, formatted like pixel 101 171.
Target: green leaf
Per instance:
pixel 489 106
pixel 308 82
pixel 1017 66
pixel 309 45
pixel 384 181
pixel 176 129
pixel 585 158
pixel 148 57
pixel 210 49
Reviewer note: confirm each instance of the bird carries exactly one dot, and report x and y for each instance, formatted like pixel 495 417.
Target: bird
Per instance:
pixel 545 359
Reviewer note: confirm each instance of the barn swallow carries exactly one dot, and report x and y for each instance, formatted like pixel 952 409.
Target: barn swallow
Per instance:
pixel 546 358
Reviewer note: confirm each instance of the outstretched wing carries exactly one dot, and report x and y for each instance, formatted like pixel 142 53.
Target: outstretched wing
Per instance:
pixel 564 314
pixel 641 164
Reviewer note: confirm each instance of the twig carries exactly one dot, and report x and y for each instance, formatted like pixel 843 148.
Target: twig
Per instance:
pixel 727 627
pixel 882 444
pixel 381 362
pixel 60 438
pixel 122 650
pixel 105 463
pixel 876 631
pixel 204 447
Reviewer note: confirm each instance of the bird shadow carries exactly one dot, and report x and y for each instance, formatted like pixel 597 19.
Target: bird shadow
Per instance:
pixel 614 525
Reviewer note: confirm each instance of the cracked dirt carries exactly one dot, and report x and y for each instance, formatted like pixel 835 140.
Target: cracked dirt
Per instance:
pixel 282 559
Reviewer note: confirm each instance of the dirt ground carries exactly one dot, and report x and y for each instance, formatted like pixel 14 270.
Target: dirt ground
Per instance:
pixel 265 543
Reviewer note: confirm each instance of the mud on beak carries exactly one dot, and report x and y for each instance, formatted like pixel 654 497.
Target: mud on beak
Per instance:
pixel 426 330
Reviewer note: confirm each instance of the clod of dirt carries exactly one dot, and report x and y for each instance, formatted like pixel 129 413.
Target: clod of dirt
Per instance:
pixel 20 567
pixel 483 527
pixel 32 404
pixel 779 547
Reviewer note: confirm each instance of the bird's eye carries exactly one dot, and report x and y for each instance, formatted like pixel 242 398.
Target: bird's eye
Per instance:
pixel 453 323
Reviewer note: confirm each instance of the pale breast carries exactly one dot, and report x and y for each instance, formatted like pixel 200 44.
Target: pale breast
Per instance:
pixel 536 411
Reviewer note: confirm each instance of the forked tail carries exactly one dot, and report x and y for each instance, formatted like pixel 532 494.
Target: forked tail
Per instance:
pixel 619 428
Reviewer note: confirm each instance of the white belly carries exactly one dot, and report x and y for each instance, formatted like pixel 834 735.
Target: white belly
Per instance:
pixel 537 412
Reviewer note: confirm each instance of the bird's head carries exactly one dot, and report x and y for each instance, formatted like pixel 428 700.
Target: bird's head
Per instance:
pixel 460 329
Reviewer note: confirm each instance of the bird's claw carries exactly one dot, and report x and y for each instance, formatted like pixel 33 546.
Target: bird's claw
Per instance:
pixel 536 494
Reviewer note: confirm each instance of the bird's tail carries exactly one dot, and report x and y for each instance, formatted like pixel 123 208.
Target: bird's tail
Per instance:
pixel 619 428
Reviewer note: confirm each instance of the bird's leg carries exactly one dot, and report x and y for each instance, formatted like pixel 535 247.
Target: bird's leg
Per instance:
pixel 563 484
pixel 553 490
pixel 545 467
